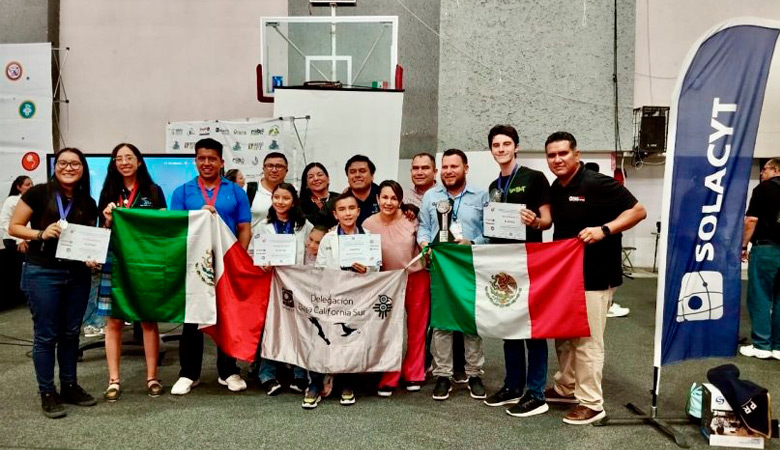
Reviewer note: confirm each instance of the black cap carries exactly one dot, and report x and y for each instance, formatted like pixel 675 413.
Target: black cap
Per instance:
pixel 749 400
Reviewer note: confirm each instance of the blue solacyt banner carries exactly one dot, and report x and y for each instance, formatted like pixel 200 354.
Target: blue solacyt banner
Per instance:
pixel 718 112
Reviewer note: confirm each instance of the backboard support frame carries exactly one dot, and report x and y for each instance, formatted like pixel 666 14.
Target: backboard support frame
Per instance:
pixel 264 80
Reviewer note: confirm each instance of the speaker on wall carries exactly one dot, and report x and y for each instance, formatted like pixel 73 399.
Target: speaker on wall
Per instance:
pixel 651 124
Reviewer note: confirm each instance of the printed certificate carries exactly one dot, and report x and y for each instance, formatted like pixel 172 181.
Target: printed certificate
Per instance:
pixel 365 249
pixel 274 249
pixel 502 220
pixel 83 243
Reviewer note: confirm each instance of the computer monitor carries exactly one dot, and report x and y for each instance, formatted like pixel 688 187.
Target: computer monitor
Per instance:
pixel 169 171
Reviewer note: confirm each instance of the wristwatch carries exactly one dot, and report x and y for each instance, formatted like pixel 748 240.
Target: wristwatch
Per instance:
pixel 605 230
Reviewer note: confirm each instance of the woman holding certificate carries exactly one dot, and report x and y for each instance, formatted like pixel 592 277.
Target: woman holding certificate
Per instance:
pixel 57 290
pixel 399 247
pixel 284 218
pixel 128 185
pixel 316 199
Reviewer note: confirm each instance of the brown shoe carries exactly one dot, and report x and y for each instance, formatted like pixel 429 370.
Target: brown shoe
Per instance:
pixel 553 396
pixel 582 415
pixel 154 388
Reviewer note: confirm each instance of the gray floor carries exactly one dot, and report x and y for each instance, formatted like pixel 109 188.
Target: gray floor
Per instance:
pixel 211 417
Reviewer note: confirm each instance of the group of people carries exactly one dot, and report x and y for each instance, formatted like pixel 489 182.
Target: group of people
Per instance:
pixel 580 203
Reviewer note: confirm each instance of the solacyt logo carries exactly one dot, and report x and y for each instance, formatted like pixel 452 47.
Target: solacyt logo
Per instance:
pixel 701 296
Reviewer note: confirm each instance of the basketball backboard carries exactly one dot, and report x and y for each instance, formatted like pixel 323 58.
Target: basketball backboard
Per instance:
pixel 355 51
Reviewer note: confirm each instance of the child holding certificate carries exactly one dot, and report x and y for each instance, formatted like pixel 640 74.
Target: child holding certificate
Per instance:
pixel 346 212
pixel 399 247
pixel 284 217
pixel 128 185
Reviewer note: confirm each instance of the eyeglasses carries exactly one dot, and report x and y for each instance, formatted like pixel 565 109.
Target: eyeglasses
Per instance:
pixel 275 166
pixel 75 165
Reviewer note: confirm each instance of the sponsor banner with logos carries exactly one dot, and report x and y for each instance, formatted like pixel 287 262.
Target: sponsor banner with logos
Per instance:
pixel 25 112
pixel 335 321
pixel 246 142
pixel 713 125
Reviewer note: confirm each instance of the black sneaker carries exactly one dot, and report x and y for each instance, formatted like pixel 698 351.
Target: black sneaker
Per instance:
pixel 476 388
pixel 528 406
pixel 74 394
pixel 442 389
pixel 52 405
pixel 311 398
pixel 299 385
pixel 272 386
pixel 503 397
pixel 460 378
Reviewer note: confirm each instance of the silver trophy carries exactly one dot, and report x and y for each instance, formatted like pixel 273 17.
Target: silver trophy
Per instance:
pixel 444 207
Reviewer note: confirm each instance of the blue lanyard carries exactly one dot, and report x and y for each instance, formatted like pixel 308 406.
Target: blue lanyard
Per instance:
pixel 285 229
pixel 63 212
pixel 503 187
pixel 456 208
pixel 342 233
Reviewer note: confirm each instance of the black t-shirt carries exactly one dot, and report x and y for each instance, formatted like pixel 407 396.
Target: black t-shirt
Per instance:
pixel 765 206
pixel 529 187
pixel 320 216
pixel 154 199
pixel 369 206
pixel 592 199
pixel 43 203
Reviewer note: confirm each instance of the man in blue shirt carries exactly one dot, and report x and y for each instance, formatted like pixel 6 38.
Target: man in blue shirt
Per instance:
pixel 465 225
pixel 210 191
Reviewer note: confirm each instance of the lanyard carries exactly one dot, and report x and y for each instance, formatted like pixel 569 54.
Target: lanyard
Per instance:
pixel 504 187
pixel 456 206
pixel 342 233
pixel 128 202
pixel 63 211
pixel 206 199
pixel 285 229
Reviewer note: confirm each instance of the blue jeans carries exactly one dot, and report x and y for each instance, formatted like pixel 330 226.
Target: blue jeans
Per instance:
pixel 57 298
pixel 268 370
pixel 91 315
pixel 763 299
pixel 518 376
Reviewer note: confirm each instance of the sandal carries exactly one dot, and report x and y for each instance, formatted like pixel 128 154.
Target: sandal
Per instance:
pixel 154 387
pixel 113 392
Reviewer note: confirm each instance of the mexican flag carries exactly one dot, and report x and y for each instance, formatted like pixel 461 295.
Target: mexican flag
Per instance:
pixel 510 291
pixel 187 266
pixel 242 296
pixel 163 267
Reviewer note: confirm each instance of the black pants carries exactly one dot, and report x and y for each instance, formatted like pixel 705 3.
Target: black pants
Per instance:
pixel 191 355
pixel 11 265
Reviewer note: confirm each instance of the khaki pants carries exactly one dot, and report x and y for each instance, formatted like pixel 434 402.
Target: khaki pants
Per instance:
pixel 441 348
pixel 581 360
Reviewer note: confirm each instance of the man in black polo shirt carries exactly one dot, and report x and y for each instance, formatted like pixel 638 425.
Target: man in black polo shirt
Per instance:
pixel 594 208
pixel 520 185
pixel 360 176
pixel 762 228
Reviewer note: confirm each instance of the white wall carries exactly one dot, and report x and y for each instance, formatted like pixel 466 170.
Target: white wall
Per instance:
pixel 133 65
pixel 665 32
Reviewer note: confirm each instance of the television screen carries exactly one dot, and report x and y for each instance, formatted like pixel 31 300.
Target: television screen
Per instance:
pixel 169 171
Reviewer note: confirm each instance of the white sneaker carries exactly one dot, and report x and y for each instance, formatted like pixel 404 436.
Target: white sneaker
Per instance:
pixel 90 331
pixel 234 383
pixel 183 386
pixel 749 350
pixel 776 354
pixel 617 311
